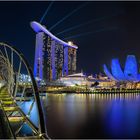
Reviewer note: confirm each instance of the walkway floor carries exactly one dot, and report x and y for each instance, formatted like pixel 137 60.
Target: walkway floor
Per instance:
pixel 4 130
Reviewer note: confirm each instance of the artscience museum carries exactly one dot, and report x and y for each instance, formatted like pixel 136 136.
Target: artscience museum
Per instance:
pixel 128 73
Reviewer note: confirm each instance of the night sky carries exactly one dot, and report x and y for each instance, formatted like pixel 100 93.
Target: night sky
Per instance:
pixel 112 29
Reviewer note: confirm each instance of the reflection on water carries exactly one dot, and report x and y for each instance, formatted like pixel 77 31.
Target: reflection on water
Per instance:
pixel 92 115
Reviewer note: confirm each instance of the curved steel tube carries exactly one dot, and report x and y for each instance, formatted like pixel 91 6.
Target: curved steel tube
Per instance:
pixel 36 92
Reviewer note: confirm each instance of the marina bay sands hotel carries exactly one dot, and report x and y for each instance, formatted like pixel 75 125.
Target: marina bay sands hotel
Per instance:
pixel 53 57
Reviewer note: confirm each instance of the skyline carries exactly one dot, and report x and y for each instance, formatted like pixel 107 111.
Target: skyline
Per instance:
pixel 107 29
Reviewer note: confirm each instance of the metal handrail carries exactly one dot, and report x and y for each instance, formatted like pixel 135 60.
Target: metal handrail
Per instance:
pixel 42 129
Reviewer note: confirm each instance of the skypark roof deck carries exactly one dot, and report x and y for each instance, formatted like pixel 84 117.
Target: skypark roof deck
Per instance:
pixel 37 27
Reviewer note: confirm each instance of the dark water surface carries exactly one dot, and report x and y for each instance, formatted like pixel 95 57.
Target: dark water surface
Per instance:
pixel 92 115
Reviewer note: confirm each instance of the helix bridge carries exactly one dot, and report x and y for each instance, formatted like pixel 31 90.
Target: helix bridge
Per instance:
pixel 13 95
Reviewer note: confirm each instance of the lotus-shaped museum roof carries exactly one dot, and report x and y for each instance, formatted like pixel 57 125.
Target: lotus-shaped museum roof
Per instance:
pixel 128 73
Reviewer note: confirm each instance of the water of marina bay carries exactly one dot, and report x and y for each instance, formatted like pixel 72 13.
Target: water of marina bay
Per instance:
pixel 90 115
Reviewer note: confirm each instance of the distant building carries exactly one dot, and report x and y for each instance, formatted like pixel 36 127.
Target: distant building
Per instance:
pixel 79 79
pixel 74 80
pixel 54 58
pixel 129 74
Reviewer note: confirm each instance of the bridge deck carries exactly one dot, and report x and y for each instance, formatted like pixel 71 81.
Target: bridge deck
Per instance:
pixel 12 119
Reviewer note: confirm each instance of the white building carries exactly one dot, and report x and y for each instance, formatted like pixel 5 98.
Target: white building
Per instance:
pixel 74 79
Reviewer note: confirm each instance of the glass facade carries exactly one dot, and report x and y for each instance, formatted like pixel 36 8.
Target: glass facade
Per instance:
pixel 52 59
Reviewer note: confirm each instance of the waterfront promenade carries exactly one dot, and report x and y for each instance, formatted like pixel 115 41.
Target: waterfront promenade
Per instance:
pixel 83 89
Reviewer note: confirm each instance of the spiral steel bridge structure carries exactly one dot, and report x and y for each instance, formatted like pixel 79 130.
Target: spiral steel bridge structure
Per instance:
pixel 13 95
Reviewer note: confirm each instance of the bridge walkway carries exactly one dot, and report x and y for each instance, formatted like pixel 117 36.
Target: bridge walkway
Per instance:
pixel 12 64
pixel 14 118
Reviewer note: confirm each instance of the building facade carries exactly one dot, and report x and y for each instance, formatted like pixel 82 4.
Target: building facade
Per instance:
pixel 54 58
pixel 129 73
